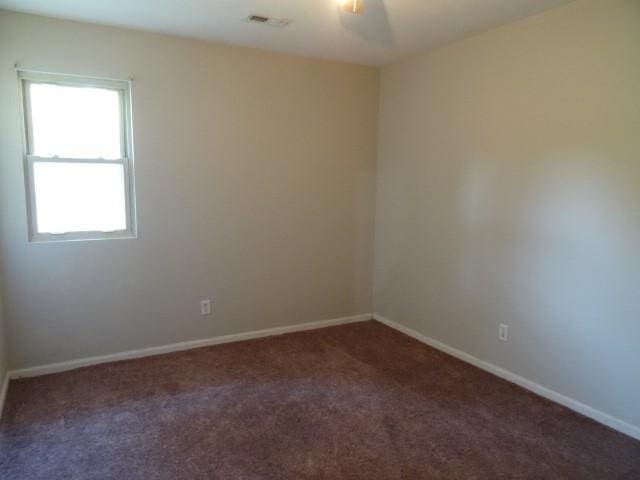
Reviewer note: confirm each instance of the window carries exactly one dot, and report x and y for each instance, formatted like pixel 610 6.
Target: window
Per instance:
pixel 78 159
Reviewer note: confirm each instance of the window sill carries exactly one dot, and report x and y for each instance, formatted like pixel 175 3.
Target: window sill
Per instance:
pixel 82 237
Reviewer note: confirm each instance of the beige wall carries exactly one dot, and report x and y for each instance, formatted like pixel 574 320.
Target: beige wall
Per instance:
pixel 255 188
pixel 508 192
pixel 4 366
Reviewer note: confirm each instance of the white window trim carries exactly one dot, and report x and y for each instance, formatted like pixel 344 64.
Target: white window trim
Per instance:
pixel 123 87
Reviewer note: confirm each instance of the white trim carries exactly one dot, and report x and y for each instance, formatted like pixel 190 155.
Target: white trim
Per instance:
pixel 176 347
pixel 58 78
pixel 123 88
pixel 3 392
pixel 575 405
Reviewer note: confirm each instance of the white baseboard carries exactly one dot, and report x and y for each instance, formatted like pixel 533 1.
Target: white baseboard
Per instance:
pixel 3 392
pixel 586 410
pixel 597 415
pixel 176 347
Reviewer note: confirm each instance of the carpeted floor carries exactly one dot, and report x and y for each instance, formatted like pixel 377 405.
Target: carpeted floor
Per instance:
pixel 358 401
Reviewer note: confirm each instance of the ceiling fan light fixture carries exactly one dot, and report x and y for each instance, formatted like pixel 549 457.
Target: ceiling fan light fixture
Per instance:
pixel 352 6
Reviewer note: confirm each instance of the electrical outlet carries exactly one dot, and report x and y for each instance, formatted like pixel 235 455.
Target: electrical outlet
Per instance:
pixel 205 307
pixel 503 332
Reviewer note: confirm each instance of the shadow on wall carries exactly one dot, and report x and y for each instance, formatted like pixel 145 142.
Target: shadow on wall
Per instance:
pixel 373 26
pixel 561 261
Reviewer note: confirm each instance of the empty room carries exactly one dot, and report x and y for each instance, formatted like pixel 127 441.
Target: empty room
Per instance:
pixel 319 239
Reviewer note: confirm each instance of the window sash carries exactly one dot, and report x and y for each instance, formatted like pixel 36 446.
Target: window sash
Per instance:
pixel 123 88
pixel 30 160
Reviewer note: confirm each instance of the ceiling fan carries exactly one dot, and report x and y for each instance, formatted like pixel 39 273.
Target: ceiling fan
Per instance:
pixel 352 6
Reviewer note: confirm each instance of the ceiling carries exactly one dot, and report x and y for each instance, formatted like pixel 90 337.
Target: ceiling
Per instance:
pixel 388 31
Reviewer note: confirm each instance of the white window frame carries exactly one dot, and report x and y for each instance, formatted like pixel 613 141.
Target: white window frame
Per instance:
pixel 123 87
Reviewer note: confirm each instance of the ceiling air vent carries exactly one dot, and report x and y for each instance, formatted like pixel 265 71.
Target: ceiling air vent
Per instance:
pixel 272 22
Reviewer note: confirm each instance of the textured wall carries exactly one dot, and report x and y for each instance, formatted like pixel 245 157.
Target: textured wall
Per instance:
pixel 255 188
pixel 508 193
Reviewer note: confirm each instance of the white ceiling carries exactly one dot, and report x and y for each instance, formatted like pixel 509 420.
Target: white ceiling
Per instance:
pixel 388 30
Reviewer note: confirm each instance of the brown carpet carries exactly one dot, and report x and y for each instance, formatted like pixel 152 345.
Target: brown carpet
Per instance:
pixel 358 401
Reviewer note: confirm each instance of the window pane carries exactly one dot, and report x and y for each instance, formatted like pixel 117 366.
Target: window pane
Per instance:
pixel 75 122
pixel 79 197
